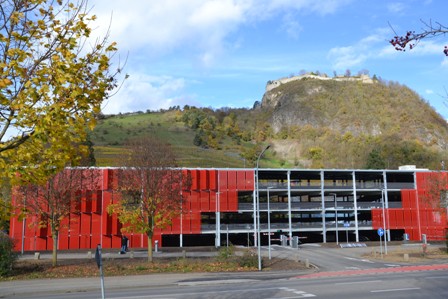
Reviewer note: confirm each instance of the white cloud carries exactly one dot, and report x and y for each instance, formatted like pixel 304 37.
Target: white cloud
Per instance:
pixel 349 56
pixel 396 7
pixel 159 27
pixel 142 92
pixel 376 46
pixel 445 62
pixel 429 91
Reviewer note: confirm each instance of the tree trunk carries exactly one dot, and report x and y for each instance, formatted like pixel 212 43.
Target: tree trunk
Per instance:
pixel 150 248
pixel 55 248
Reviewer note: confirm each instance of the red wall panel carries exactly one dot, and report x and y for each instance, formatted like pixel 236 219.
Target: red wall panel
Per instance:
pixel 223 182
pixel 399 217
pixel 405 199
pixel 213 180
pixel 223 201
pixel 186 201
pixel 232 201
pixel 196 223
pixel 107 241
pixel 97 201
pixel 204 179
pixel 407 218
pixel 86 202
pixel 195 183
pixel 84 242
pixel 195 201
pixel 135 241
pixel 86 224
pixel 41 243
pixel 116 241
pixel 186 223
pixel 205 201
pixel 241 180
pixel 213 197
pixel 73 241
pixel 231 179
pixel 175 226
pixel 250 180
pixel 96 225
pixel 95 240
pixel 377 218
pixel 414 217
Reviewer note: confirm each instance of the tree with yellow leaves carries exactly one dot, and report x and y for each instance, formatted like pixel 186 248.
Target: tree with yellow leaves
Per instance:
pixel 52 83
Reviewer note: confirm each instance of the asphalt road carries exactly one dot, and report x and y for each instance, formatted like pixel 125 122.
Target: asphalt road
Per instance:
pixel 423 284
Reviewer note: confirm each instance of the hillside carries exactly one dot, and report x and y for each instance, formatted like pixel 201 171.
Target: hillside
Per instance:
pixel 310 121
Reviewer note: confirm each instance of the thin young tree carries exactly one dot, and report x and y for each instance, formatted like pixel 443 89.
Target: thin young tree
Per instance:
pixel 150 187
pixel 57 199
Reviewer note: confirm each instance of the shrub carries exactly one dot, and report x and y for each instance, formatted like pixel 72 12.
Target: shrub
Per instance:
pixel 226 252
pixel 7 255
pixel 249 260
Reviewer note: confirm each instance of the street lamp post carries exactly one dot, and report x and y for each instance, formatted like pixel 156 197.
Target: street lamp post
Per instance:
pixel 218 223
pixel 258 208
pixel 269 225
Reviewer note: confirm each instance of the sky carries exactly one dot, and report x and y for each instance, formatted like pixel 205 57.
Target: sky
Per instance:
pixel 221 53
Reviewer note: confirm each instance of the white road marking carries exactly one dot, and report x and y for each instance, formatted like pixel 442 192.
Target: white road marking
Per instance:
pixel 356 282
pixel 394 290
pixel 359 260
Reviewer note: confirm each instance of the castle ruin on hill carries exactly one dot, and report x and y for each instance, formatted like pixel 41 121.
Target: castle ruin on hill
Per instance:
pixel 276 83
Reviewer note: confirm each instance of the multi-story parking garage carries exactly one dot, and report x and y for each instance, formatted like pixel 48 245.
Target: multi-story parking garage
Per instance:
pixel 326 205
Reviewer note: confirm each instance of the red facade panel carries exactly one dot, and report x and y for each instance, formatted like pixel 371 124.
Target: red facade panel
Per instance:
pixel 231 179
pixel 84 242
pixel 405 199
pixel 96 225
pixel 175 226
pixel 377 218
pixel 232 201
pixel 86 224
pixel 223 183
pixel 86 202
pixel 195 183
pixel 213 180
pixel 41 243
pixel 399 218
pixel 97 201
pixel 107 241
pixel 73 241
pixel 223 201
pixel 250 180
pixel 186 223
pixel 195 223
pixel 241 180
pixel 116 242
pixel 95 240
pixel 186 201
pixel 205 201
pixel 203 179
pixel 407 218
pixel 195 203
pixel 135 241
pixel 213 197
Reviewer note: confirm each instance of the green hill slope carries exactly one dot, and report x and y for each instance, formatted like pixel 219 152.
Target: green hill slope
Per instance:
pixel 310 123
